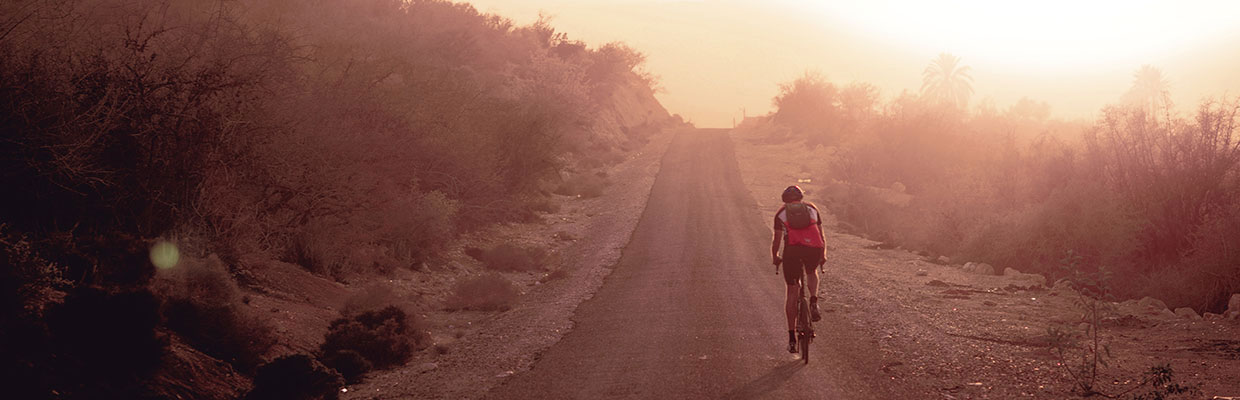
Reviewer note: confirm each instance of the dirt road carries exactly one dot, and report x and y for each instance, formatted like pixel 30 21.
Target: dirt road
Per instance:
pixel 693 308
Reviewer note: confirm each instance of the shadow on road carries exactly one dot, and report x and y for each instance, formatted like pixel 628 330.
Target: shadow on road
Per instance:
pixel 766 383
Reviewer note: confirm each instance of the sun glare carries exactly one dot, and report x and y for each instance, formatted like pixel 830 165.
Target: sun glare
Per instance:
pixel 1046 35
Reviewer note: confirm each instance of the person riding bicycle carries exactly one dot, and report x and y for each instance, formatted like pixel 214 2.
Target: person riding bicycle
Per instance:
pixel 799 227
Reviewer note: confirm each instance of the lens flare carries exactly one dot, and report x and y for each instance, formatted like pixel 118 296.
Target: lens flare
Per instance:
pixel 165 255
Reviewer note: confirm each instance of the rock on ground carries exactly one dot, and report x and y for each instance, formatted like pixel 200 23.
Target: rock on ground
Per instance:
pixel 979 268
pixel 1150 302
pixel 1234 304
pixel 1186 312
pixel 1035 279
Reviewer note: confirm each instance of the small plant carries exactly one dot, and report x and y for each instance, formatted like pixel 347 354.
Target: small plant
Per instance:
pixel 491 292
pixel 1081 359
pixel 296 377
pixel 1163 385
pixel 1083 354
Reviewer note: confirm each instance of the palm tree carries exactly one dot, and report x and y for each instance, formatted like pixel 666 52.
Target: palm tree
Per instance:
pixel 947 81
pixel 1150 90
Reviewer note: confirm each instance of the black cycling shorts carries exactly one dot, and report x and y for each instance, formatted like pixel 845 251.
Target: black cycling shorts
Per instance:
pixel 799 260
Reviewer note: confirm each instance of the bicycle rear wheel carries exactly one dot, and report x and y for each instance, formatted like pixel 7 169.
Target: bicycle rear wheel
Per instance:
pixel 804 341
pixel 803 329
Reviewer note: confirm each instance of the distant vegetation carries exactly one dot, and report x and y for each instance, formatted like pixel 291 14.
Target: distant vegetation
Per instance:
pixel 1150 193
pixel 346 137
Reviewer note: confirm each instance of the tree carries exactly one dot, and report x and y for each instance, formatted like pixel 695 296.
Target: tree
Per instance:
pixel 946 81
pixel 1150 90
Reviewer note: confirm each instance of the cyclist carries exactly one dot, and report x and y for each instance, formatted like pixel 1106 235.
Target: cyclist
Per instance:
pixel 799 227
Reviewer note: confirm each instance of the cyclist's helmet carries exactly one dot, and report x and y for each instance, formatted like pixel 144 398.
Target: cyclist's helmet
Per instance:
pixel 792 193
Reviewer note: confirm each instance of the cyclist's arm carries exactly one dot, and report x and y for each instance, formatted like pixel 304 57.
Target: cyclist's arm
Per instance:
pixel 776 241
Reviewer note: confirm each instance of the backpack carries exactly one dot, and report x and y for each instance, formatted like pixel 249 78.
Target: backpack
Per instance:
pixel 798 215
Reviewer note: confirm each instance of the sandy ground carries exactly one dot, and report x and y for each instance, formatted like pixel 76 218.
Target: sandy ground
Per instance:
pixel 983 336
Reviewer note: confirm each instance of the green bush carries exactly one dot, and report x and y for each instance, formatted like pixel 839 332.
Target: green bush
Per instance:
pixel 490 292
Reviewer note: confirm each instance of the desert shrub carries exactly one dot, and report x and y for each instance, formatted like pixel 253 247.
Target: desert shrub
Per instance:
pixel 295 377
pixel 203 305
pixel 1163 385
pixel 584 185
pixel 873 212
pixel 385 337
pixel 104 343
pixel 809 106
pixel 490 292
pixel 1174 171
pixel 510 257
pixel 1195 281
pixel 350 364
pixel 1087 219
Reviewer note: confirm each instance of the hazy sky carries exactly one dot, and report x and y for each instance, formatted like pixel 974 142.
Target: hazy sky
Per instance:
pixel 715 57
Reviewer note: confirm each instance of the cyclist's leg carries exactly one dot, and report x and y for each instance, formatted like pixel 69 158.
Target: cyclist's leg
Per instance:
pixel 792 272
pixel 811 278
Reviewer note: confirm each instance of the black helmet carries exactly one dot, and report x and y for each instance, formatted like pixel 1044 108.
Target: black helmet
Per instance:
pixel 792 193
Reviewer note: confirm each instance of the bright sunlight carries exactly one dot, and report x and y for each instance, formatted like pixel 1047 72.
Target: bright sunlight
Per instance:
pixel 1048 35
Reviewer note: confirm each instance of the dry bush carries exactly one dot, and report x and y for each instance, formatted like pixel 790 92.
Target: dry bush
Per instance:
pixel 1086 219
pixel 385 338
pixel 350 364
pixel 510 257
pixel 104 343
pixel 203 305
pixel 296 377
pixel 1146 196
pixel 490 292
pixel 1201 280
pixel 809 106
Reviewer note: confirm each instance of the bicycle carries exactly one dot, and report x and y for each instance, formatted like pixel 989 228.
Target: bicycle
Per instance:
pixel 804 326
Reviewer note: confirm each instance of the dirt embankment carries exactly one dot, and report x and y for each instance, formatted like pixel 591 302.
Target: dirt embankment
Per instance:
pixel 974 335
